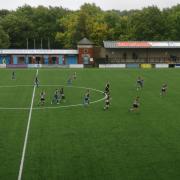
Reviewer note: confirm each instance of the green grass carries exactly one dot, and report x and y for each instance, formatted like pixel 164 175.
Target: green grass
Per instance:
pixel 79 143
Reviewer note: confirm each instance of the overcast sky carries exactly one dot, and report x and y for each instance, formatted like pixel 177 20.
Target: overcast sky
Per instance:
pixel 104 4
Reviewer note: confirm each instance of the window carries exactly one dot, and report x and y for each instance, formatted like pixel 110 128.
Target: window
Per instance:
pixel 85 51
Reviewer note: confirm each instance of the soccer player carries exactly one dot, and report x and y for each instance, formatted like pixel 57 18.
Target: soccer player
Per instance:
pixel 74 76
pixel 37 82
pixel 59 97
pixel 69 81
pixel 42 98
pixel 87 98
pixel 62 94
pixel 55 97
pixel 13 76
pixel 107 101
pixel 107 88
pixel 135 105
pixel 140 83
pixel 163 89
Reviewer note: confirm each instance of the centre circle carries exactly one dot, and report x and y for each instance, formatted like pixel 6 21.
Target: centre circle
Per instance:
pixel 53 107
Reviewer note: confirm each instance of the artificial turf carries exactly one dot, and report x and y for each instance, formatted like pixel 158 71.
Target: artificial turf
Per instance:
pixel 88 143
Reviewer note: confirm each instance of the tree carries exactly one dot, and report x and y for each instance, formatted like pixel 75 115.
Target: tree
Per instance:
pixel 147 24
pixel 4 39
pixel 3 13
pixel 65 28
pixel 79 24
pixel 18 28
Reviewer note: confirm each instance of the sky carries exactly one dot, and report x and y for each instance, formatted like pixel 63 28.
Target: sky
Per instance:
pixel 104 4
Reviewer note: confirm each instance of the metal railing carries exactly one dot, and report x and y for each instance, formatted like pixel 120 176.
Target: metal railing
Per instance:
pixel 155 60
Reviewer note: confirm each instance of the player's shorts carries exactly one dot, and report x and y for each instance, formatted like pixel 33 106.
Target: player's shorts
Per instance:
pixel 163 90
pixel 107 102
pixel 63 96
pixel 42 99
pixel 135 105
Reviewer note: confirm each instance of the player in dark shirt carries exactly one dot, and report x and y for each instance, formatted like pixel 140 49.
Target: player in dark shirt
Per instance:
pixel 163 89
pixel 107 101
pixel 140 83
pixel 61 91
pixel 13 75
pixel 107 88
pixel 87 98
pixel 135 105
pixel 36 82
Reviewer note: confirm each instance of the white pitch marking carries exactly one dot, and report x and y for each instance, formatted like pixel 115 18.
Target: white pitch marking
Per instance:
pixel 73 105
pixel 20 108
pixel 14 86
pixel 27 132
pixel 54 107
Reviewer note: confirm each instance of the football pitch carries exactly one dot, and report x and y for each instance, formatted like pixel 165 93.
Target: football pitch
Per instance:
pixel 71 142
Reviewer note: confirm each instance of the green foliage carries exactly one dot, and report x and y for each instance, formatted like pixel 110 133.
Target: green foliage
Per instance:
pixel 67 30
pixel 64 28
pixel 4 39
pixel 18 28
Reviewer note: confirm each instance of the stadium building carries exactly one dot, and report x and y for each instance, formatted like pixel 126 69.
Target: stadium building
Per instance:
pixel 21 57
pixel 142 52
pixel 113 52
pixel 37 56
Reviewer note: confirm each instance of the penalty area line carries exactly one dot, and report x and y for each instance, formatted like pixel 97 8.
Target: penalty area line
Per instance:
pixel 27 132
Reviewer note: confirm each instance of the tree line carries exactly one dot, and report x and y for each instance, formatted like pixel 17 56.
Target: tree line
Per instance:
pixel 57 27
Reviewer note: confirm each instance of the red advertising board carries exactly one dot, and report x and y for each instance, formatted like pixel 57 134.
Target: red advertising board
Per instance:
pixel 133 44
